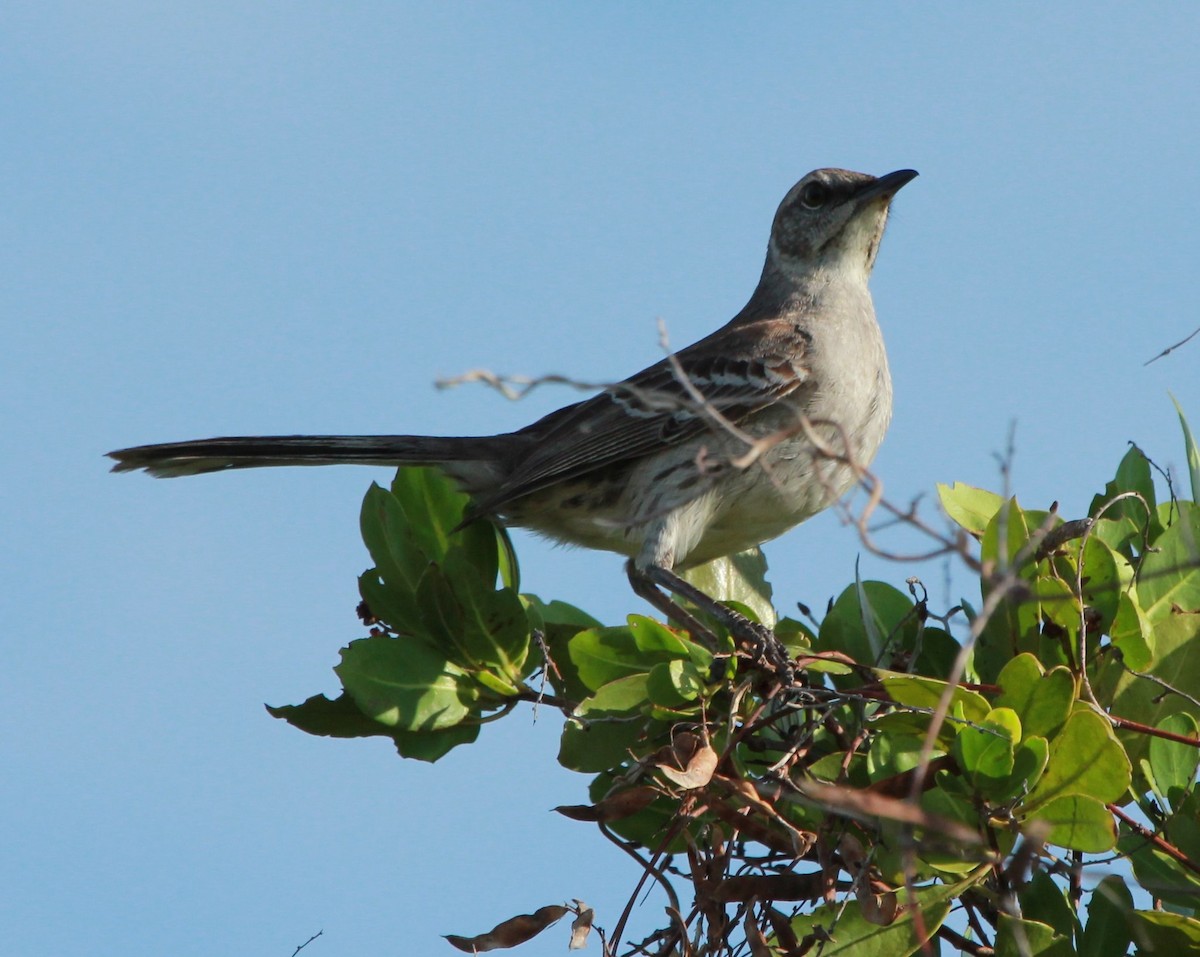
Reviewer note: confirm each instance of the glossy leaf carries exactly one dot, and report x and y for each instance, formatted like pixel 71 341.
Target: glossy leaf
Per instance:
pixel 1016 937
pixel 1078 822
pixel 617 697
pixel 674 683
pixel 852 935
pixel 867 622
pixel 1176 649
pixel 1169 577
pixel 1174 763
pixel 984 750
pixel 1042 700
pixel 1166 933
pixel 1109 911
pixel 1086 760
pixel 404 683
pixel 1131 632
pixel 921 692
pixel 741 578
pixel 1132 519
pixel 969 507
pixel 1191 450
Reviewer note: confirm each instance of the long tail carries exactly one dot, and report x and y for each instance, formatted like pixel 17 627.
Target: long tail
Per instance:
pixel 174 459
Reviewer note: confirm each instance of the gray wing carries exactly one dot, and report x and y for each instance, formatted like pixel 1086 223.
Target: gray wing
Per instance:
pixel 732 369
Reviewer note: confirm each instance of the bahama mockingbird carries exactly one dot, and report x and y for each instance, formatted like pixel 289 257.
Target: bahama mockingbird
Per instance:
pixel 713 450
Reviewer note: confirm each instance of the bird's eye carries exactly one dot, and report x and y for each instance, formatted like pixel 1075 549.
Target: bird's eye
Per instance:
pixel 814 195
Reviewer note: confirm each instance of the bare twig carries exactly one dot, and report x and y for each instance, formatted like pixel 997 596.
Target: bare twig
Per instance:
pixel 307 942
pixel 1167 351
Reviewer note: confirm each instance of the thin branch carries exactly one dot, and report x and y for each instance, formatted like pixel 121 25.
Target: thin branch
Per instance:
pixel 307 942
pixel 1167 351
pixel 1163 845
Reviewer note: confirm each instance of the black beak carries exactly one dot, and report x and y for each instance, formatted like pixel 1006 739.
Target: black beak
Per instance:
pixel 887 185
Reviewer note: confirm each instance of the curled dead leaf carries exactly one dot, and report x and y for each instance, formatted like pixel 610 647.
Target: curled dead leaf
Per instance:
pixel 581 926
pixel 510 933
pixel 876 908
pixel 770 887
pixel 615 806
pixel 697 772
pixel 754 936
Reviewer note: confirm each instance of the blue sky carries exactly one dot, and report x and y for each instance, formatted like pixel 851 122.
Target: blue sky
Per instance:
pixel 292 217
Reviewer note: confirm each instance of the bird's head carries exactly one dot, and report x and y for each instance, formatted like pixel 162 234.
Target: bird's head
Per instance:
pixel 832 221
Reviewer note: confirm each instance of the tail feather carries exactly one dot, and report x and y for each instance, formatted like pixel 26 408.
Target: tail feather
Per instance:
pixel 174 459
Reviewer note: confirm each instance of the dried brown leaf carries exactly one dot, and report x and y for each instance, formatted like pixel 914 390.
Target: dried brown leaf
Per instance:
pixel 768 887
pixel 754 936
pixel 581 926
pixel 697 772
pixel 617 805
pixel 879 909
pixel 510 933
pixel 785 935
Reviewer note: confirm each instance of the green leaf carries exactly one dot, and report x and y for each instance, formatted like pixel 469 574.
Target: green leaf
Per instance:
pixel 869 621
pixel 1173 763
pixel 1042 701
pixel 432 505
pixel 1007 538
pixel 1015 626
pixel 1166 933
pixel 1130 632
pixel 394 605
pixel 404 683
pixel 595 746
pixel 741 578
pixel 431 745
pixel 551 613
pixel 474 550
pixel 601 655
pixel 969 507
pixel 1106 933
pixel 1176 646
pixel 1191 450
pixel 496 630
pixel 1126 521
pixel 655 640
pixel 617 697
pixel 1079 823
pixel 674 683
pixel 1086 760
pixel 1059 604
pixel 1045 901
pixel 984 750
pixel 342 718
pixel 336 718
pixel 1029 938
pixel 510 569
pixel 1029 763
pixel 1102 578
pixel 1170 880
pixel 1169 577
pixel 796 636
pixel 386 533
pixel 919 692
pixel 852 935
pixel 1183 826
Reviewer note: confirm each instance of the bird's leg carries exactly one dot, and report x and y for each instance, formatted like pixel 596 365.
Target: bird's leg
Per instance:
pixel 646 583
pixel 644 587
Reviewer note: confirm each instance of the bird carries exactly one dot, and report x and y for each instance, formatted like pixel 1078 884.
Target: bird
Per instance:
pixel 714 449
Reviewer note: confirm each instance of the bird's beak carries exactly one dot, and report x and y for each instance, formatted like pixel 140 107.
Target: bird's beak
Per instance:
pixel 886 186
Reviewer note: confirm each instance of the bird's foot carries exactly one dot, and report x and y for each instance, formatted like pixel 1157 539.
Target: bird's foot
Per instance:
pixel 759 643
